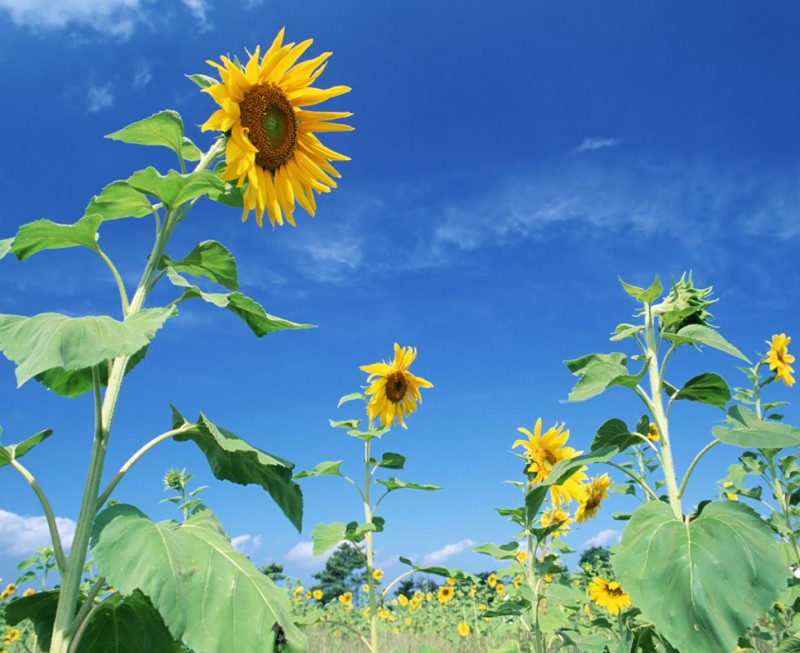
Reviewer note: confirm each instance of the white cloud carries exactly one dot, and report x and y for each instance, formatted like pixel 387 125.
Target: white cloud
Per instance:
pixel 302 554
pixel 252 4
pixel 247 544
pixel 142 74
pixel 448 551
pixel 116 18
pixel 603 538
pixel 597 143
pixel 333 257
pixel 199 9
pixel 99 97
pixel 20 536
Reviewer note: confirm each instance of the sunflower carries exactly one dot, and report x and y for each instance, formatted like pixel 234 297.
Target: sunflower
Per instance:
pixel 445 594
pixel 491 581
pixel 556 516
pixel 609 595
pixel 463 629
pixel 543 452
pixel 652 432
pixel 779 359
pixel 395 391
pixel 595 493
pixel 271 135
pixel 346 599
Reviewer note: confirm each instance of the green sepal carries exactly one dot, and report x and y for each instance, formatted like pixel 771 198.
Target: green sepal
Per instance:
pixel 706 388
pixel 208 259
pixel 43 235
pixel 11 452
pixel 53 341
pixel 689 578
pixel 255 317
pixel 330 468
pixel 744 429
pixel 458 574
pixel 174 189
pixel 190 571
pixel 233 459
pixel 697 334
pixel 395 484
pixel 498 552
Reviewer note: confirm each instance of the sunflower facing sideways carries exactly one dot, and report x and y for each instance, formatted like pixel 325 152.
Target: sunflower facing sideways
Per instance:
pixel 272 146
pixel 394 392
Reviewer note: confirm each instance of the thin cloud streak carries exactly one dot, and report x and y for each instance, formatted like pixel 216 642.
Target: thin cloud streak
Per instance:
pixel 446 552
pixel 597 143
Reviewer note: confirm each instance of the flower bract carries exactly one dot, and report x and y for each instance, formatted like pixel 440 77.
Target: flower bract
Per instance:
pixel 272 149
pixel 609 595
pixel 394 391
pixel 780 359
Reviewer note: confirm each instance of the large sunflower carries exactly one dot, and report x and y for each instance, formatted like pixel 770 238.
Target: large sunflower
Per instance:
pixel 779 358
pixel 394 391
pixel 608 594
pixel 544 451
pixel 272 146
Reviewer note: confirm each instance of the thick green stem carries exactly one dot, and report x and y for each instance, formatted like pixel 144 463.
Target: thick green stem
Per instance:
pixel 659 416
pixel 373 599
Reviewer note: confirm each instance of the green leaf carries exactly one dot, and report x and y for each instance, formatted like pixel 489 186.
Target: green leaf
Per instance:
pixel 260 322
pixel 642 295
pixel 190 151
pixel 697 334
pixel 344 423
pixel 597 372
pixel 119 200
pixel 563 469
pixel 396 484
pixel 563 594
pixel 127 624
pixel 162 128
pixel 203 81
pixel 689 579
pixel 322 469
pixel 327 536
pixel 745 430
pixel 51 340
pixel 614 432
pixel 633 291
pixel 175 189
pixel 534 498
pixel 789 645
pixel 501 552
pixel 707 388
pixel 191 572
pixel 40 608
pixel 351 397
pixel 458 574
pixel 510 608
pixel 43 235
pixel 5 246
pixel 625 331
pixel 15 451
pixel 233 459
pixel 211 260
pixel 391 460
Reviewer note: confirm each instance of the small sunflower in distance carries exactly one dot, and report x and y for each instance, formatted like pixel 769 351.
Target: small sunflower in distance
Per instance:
pixel 394 392
pixel 780 359
pixel 609 595
pixel 595 493
pixel 542 452
pixel 271 143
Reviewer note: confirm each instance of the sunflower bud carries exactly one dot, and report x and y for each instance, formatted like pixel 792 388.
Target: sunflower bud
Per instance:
pixel 684 305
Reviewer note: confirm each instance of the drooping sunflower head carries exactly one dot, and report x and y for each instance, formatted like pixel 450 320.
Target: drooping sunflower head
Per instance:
pixel 272 148
pixel 394 391
pixel 542 452
pixel 609 595
pixel 780 359
pixel 595 493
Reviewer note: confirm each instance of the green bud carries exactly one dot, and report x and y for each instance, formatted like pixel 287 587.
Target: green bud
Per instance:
pixel 684 305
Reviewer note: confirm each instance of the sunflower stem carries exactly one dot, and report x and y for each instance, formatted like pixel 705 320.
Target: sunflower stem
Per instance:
pixel 368 514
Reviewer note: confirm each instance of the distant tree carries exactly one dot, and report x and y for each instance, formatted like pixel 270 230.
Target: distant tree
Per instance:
pixel 274 571
pixel 596 561
pixel 344 572
pixel 406 586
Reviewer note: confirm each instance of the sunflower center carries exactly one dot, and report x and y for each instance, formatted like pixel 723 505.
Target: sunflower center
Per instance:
pixel 271 123
pixel 396 387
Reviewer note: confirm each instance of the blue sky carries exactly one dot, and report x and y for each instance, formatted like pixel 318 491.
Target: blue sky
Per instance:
pixel 509 162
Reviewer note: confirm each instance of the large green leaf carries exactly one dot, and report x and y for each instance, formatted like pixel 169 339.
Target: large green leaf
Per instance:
pixel 233 459
pixel 127 625
pixel 162 128
pixel 614 432
pixel 40 608
pixel 211 260
pixel 707 388
pixel 51 340
pixel 498 552
pixel 260 322
pixel 174 189
pixel 211 597
pixel 119 200
pixel 745 430
pixel 11 452
pixel 327 536
pixel 703 583
pixel 43 235
pixel 598 372
pixel 697 334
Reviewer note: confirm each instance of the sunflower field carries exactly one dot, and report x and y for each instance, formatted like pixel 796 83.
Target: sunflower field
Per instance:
pixel 718 577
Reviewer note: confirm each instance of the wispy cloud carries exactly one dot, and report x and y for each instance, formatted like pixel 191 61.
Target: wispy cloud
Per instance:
pixel 20 536
pixel 448 551
pixel 199 9
pixel 302 554
pixel 117 18
pixel 247 544
pixel 142 74
pixel 99 97
pixel 597 143
pixel 603 538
